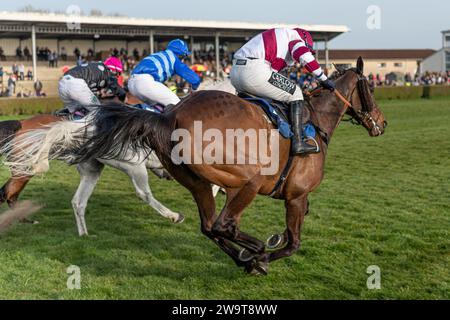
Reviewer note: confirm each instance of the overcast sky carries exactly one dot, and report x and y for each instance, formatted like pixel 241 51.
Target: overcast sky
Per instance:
pixel 403 23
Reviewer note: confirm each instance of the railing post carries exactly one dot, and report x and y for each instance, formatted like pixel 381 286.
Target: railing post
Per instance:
pixel 33 45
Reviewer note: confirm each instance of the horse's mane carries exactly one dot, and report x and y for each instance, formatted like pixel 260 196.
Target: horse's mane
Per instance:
pixel 310 103
pixel 341 72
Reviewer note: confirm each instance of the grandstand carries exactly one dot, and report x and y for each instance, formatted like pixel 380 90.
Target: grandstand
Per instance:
pixel 101 33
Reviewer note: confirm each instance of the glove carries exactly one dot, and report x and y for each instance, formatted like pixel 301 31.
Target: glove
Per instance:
pixel 328 84
pixel 121 94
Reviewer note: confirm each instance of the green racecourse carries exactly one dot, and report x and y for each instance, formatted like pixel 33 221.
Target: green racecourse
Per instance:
pixel 384 201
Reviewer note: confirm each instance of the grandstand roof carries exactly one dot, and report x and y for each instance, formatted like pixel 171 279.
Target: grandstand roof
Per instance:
pixel 16 23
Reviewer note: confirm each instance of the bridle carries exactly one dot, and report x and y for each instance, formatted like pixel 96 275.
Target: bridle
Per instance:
pixel 363 113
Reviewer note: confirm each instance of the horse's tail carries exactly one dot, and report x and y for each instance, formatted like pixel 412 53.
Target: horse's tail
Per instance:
pixel 7 130
pixel 119 130
pixel 28 153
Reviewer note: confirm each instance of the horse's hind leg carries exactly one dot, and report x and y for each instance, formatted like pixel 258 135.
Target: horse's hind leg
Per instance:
pixel 11 191
pixel 228 221
pixel 139 177
pixel 89 173
pixel 203 196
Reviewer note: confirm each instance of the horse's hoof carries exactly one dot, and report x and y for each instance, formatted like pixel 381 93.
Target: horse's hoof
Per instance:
pixel 245 255
pixel 274 242
pixel 254 272
pixel 262 267
pixel 28 221
pixel 257 268
pixel 180 219
pixel 167 176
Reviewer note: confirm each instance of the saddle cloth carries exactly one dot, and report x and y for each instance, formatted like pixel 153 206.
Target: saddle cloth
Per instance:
pixel 152 108
pixel 277 112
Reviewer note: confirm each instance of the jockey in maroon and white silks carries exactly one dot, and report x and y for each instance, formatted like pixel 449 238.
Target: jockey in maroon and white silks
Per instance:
pixel 256 69
pixel 283 48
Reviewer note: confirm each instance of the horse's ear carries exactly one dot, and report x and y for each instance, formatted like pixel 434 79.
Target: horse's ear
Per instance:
pixel 338 69
pixel 360 65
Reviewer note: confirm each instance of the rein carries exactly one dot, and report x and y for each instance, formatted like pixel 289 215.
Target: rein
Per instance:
pixel 316 91
pixel 363 114
pixel 366 103
pixel 347 103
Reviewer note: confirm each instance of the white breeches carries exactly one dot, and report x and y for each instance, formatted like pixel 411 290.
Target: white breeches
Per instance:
pixel 74 91
pixel 145 88
pixel 258 78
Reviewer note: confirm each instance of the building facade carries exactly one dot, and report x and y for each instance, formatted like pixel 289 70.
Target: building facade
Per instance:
pixel 381 61
pixel 440 60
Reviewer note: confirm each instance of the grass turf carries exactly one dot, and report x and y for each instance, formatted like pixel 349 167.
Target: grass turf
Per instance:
pixel 383 202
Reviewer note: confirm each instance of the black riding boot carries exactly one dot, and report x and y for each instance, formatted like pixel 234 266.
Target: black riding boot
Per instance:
pixel 299 146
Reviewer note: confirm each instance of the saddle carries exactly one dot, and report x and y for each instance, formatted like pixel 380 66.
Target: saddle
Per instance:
pixel 156 108
pixel 278 113
pixel 281 107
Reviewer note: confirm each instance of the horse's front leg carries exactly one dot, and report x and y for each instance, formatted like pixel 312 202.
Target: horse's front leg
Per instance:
pixel 90 172
pixel 296 210
pixel 277 241
pixel 139 177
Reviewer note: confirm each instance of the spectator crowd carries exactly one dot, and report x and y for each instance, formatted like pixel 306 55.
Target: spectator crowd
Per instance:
pixel 425 79
pixel 203 62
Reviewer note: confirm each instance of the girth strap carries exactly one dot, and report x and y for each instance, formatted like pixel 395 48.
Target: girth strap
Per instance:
pixel 283 176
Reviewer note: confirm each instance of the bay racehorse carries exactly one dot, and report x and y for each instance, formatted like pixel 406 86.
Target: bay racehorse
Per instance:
pixel 296 177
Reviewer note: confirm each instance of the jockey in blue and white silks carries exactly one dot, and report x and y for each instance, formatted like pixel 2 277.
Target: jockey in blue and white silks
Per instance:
pixel 147 78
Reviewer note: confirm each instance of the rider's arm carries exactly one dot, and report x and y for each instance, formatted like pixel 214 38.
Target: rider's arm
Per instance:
pixel 114 88
pixel 121 93
pixel 304 56
pixel 186 73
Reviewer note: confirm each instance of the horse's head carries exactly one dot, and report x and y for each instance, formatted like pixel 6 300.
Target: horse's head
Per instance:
pixel 364 109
